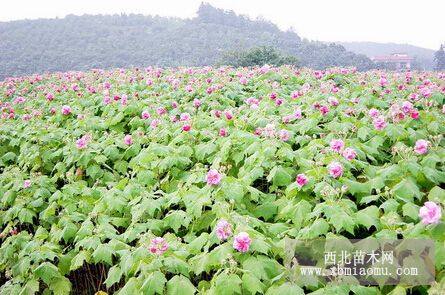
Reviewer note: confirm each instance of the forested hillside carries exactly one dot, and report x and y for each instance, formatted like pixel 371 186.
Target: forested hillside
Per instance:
pixel 84 42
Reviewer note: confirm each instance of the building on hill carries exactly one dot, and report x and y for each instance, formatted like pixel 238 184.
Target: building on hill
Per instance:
pixel 396 61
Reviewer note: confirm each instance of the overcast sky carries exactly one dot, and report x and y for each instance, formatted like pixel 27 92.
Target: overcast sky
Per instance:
pixel 417 22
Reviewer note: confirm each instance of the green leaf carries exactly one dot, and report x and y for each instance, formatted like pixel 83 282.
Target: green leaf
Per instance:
pixel 318 228
pixel 175 219
pixel 302 209
pixel 131 287
pixel 154 283
pixel 342 220
pixel 196 245
pixel 227 284
pixel 437 194
pixel 114 276
pixel 368 217
pixel 232 189
pixel 176 265
pixel 252 284
pixel 79 259
pixel 406 190
pixel 103 253
pixel 279 176
pixel 26 215
pixel 94 171
pixel 285 289
pixel 30 288
pixel 60 286
pixel 47 272
pixel 411 210
pixel 266 210
pixel 180 285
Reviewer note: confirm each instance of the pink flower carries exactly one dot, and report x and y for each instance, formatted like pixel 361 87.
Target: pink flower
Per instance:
pixel 373 113
pixel 66 110
pixel 145 115
pixel 298 114
pixel 81 143
pixel 196 103
pixel 27 183
pixel 414 114
pixel 128 140
pixel 161 111
pixel 154 123
pixel 301 179
pixel 333 101
pixel 379 123
pixel 421 146
pixel 186 127
pixel 349 154
pixel 383 81
pixel 107 99
pixel 407 107
pixel 430 213
pixel 287 119
pixel 50 96
pixel 426 92
pixel 222 132
pixel 242 242
pixel 124 100
pixel 335 169
pixel 223 229
pixel 216 113
pixel 158 246
pixel 269 130
pixel 184 117
pixel 213 177
pixel 284 135
pixel 228 114
pixel 243 80
pixel 337 145
pixel 324 110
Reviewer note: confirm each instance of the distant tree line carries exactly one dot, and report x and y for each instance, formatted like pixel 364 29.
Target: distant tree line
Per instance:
pixel 101 41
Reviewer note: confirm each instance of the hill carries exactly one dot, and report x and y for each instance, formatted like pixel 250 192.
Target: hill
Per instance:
pixel 424 56
pixel 107 41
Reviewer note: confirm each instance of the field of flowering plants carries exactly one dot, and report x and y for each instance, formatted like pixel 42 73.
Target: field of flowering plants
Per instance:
pixel 189 180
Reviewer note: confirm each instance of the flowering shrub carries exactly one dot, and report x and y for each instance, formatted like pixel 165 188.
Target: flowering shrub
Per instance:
pixel 188 180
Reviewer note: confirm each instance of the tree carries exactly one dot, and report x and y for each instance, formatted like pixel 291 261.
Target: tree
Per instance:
pixel 439 59
pixel 258 56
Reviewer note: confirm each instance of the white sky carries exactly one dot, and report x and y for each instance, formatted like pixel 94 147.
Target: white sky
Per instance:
pixel 417 22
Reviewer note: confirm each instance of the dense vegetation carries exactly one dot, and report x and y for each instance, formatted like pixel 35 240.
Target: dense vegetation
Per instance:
pixel 190 179
pixel 86 42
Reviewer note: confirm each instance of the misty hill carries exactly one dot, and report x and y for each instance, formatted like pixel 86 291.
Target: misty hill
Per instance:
pixel 424 56
pixel 84 42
